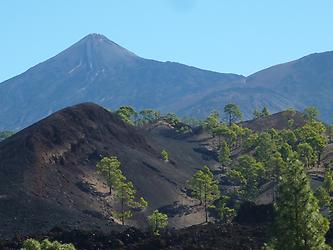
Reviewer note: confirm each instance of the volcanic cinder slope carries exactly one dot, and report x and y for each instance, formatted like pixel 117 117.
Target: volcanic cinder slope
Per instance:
pixel 48 176
pixel 278 121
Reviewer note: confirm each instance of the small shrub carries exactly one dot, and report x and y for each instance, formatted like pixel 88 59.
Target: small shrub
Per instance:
pixel 157 221
pixel 165 155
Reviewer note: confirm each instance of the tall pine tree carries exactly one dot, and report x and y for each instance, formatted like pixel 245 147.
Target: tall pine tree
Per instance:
pixel 299 223
pixel 205 188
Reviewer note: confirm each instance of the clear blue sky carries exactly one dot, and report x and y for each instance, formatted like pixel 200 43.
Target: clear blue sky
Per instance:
pixel 239 36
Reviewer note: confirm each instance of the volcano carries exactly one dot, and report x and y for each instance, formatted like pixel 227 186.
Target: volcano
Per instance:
pixel 98 70
pixel 48 172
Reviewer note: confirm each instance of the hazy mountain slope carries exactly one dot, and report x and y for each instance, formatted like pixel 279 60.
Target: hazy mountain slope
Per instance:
pixel 248 99
pixel 307 81
pixel 48 176
pixel 98 70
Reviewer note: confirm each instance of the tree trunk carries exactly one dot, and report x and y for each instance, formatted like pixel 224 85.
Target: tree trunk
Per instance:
pixel 273 193
pixel 156 225
pixel 122 211
pixel 206 212
pixel 296 215
pixel 109 182
pixel 318 162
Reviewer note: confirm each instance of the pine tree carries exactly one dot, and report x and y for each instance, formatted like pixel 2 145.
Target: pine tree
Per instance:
pixel 256 114
pixel 109 167
pixel 127 114
pixel 313 133
pixel 311 113
pixel 219 131
pixel 205 188
pixel 212 121
pixel 265 147
pixel 330 132
pixel 324 198
pixel 126 194
pixel 299 223
pixel 286 151
pixel 239 133
pixel 328 181
pixel 157 221
pixel 247 174
pixel 148 115
pixel 224 154
pixel 289 137
pixel 306 154
pixel 323 193
pixel 265 112
pixel 226 214
pixel 273 171
pixel 259 114
pixel 232 112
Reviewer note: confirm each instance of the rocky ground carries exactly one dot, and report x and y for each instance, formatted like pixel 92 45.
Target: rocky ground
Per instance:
pixel 209 236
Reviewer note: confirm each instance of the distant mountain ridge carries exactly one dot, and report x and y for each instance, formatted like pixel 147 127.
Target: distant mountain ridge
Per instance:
pixel 98 70
pixel 307 81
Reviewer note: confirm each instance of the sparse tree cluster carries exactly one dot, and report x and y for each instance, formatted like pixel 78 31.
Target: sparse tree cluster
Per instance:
pixel 259 114
pixel 280 159
pixel 125 192
pixel 132 117
pixel 149 116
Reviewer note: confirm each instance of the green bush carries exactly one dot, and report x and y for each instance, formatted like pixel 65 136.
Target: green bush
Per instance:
pixel 157 221
pixel 31 244
pixel 165 155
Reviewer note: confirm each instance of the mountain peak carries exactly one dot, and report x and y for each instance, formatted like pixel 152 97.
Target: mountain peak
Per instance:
pixel 95 37
pixel 94 52
pixel 95 40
